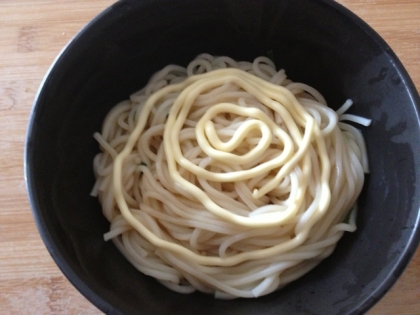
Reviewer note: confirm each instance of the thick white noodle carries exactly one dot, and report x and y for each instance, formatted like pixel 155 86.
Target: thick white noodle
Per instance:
pixel 228 178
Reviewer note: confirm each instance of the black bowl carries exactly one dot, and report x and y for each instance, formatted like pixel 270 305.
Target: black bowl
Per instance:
pixel 317 42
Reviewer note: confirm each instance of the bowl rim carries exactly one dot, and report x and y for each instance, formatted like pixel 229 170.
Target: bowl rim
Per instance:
pixel 60 257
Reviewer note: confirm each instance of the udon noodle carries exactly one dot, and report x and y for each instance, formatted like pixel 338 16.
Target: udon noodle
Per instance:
pixel 228 178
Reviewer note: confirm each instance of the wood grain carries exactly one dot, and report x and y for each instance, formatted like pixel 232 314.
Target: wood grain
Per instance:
pixel 32 33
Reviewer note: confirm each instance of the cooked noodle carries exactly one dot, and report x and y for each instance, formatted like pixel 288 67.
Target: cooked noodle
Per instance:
pixel 228 178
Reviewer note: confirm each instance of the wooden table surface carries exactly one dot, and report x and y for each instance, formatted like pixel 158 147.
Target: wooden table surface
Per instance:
pixel 32 33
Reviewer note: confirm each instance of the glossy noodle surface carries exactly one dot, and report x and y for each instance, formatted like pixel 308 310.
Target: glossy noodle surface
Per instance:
pixel 228 178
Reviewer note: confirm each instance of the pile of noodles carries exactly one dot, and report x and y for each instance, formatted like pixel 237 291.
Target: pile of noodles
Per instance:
pixel 228 178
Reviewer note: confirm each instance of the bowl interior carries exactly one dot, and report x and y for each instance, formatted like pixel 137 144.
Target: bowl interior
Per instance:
pixel 318 43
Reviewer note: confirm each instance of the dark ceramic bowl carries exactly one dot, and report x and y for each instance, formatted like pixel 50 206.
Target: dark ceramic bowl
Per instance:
pixel 317 42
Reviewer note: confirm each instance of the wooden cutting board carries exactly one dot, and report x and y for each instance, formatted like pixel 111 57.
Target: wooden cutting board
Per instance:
pixel 32 33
